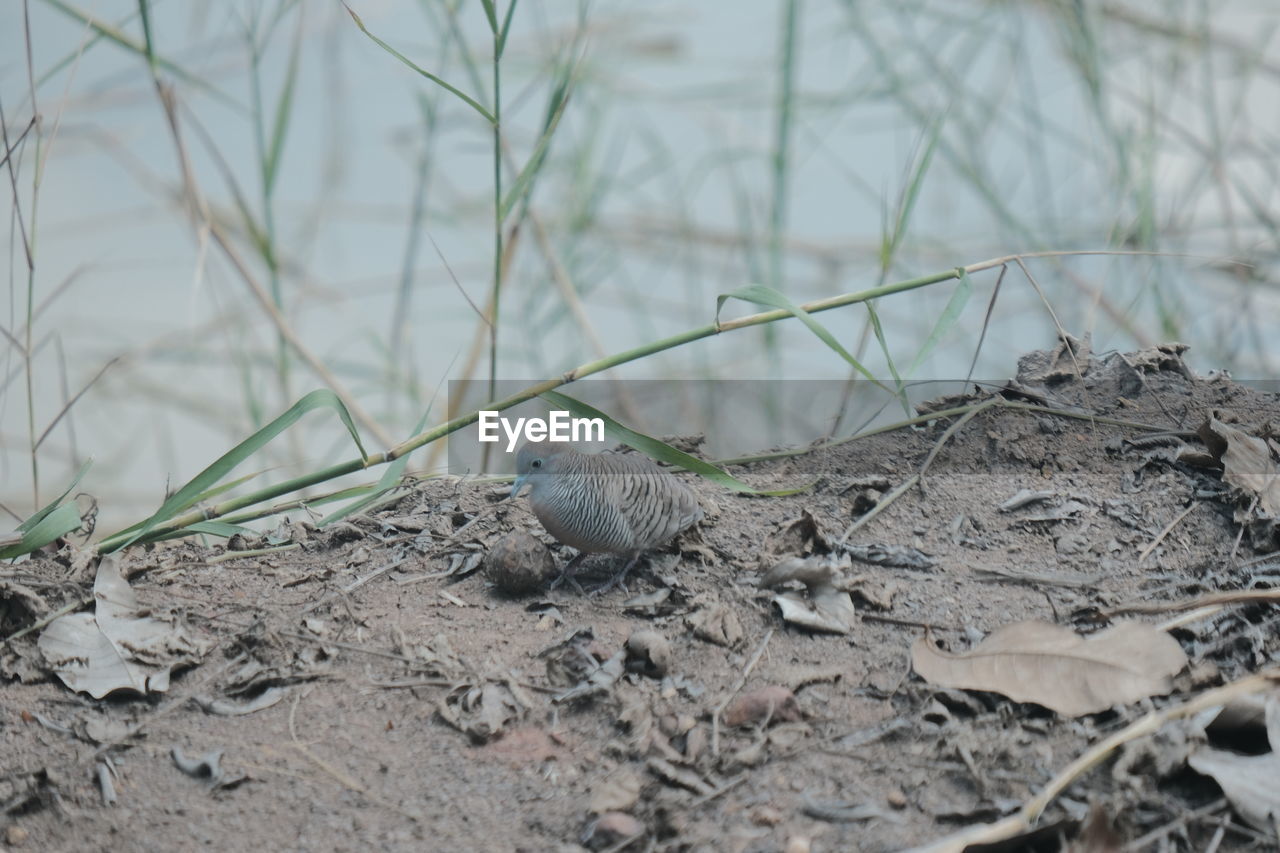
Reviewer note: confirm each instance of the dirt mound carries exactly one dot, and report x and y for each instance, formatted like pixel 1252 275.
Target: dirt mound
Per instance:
pixel 368 689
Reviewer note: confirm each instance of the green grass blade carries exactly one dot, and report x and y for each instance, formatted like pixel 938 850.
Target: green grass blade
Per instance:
pixel 660 450
pixel 506 28
pixel 114 35
pixel 206 479
pixel 770 298
pixel 284 110
pixel 524 181
pixel 221 529
pixel 491 12
pixel 389 480
pixel 144 10
pixel 52 505
pixel 907 205
pixel 470 101
pixel 950 314
pixel 61 521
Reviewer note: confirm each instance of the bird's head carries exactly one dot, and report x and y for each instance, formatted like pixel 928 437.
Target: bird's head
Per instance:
pixel 536 460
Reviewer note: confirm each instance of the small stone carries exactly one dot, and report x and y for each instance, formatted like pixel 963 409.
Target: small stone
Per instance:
pixel 896 799
pixel 648 653
pixel 611 829
pixel 774 704
pixel 766 816
pixel 519 564
pixel 16 836
pixel 798 844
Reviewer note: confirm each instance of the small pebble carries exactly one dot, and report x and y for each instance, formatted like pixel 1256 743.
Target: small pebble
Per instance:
pixel 611 829
pixel 519 564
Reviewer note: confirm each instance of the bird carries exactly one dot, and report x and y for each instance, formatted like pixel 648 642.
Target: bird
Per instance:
pixel 603 502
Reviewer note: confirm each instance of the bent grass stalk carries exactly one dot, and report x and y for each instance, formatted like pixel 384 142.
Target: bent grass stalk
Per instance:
pixel 167 528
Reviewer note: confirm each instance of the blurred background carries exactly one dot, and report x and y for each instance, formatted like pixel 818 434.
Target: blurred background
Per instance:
pixel 214 208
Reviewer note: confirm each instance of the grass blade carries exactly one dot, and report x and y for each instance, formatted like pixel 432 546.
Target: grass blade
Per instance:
pixel 58 522
pixel 524 181
pixel 284 109
pixel 209 477
pixel 470 101
pixel 661 450
pixel 389 480
pixel 49 508
pixel 950 314
pixel 770 298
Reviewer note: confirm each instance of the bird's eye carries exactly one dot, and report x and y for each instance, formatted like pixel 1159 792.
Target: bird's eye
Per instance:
pixel 537 463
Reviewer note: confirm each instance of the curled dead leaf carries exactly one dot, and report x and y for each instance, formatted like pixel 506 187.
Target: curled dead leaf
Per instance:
pixel 1057 668
pixel 1247 463
pixel 481 711
pixel 1249 781
pixel 826 608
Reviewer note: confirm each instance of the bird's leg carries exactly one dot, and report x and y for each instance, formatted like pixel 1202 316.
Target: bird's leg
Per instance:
pixel 567 574
pixel 617 579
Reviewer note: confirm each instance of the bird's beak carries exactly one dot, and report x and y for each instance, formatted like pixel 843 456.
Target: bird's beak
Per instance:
pixel 520 481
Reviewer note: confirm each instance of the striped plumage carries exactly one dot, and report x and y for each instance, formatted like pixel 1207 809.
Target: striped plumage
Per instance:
pixel 604 502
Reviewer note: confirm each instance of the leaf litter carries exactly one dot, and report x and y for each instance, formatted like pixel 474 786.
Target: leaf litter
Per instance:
pixel 399 700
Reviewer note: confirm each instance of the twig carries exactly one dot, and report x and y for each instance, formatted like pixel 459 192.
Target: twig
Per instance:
pixel 1146 552
pixel 1244 596
pixel 200 209
pixel 1144 842
pixel 256 552
pixel 341 776
pixel 1027 816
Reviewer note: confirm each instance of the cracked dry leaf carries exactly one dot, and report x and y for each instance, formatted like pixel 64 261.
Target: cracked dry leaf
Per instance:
pixel 116 647
pixel 717 623
pixel 1247 463
pixel 1057 668
pixel 1251 782
pixel 826 608
pixel 481 711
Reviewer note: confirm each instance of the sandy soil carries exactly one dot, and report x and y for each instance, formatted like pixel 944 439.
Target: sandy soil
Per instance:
pixel 372 663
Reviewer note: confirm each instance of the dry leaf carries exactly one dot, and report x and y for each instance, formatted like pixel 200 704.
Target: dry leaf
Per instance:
pixel 482 711
pixel 826 608
pixel 1251 782
pixel 1055 667
pixel 717 623
pixel 116 647
pixel 1246 463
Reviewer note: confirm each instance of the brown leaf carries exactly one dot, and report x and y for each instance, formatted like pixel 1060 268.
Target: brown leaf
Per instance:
pixel 717 623
pixel 1055 667
pixel 826 608
pixel 1249 781
pixel 1246 463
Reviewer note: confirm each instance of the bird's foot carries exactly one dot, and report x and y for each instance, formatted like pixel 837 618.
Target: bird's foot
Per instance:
pixel 616 580
pixel 567 575
pixel 563 577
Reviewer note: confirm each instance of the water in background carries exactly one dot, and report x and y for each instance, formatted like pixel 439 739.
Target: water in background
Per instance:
pixel 921 136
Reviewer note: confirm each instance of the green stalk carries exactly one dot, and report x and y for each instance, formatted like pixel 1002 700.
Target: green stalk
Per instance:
pixel 160 530
pixel 781 149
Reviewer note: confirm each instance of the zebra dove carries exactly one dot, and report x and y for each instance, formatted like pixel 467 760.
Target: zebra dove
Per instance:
pixel 603 502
